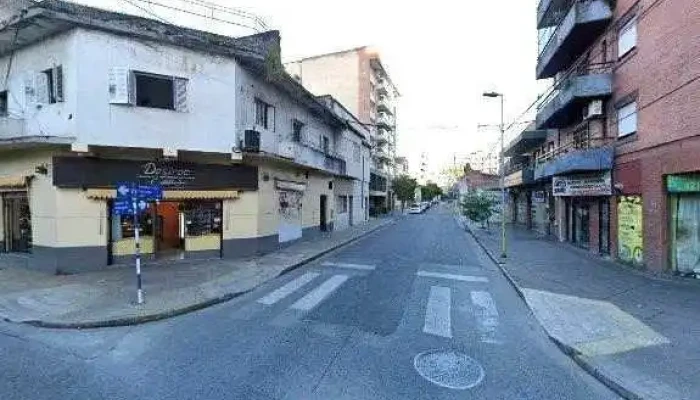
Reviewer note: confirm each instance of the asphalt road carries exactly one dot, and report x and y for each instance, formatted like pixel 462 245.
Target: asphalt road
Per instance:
pixel 413 311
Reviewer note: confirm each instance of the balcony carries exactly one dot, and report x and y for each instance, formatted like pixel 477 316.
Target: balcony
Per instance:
pixel 12 128
pixel 528 139
pixel 550 11
pixel 384 121
pixel 382 87
pixel 581 26
pixel 310 156
pixel 384 105
pixel 587 155
pixel 519 175
pixel 564 105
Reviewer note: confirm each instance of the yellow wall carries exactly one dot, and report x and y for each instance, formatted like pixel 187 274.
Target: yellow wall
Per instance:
pixel 125 247
pixel 316 185
pixel 206 242
pixel 241 216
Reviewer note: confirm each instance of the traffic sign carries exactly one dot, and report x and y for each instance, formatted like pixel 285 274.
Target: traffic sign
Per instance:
pixel 123 207
pixel 148 192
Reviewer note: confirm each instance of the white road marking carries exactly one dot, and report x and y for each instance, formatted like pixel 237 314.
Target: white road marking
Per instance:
pixel 362 267
pixel 463 278
pixel 438 319
pixel 316 296
pixel 486 316
pixel 288 289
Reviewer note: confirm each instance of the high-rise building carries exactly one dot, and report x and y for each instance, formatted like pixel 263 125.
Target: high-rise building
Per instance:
pixel 358 79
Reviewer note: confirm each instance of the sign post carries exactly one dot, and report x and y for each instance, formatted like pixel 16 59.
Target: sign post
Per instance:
pixel 133 199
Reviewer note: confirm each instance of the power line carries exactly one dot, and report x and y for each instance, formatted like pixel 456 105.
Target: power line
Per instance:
pixel 147 11
pixel 169 7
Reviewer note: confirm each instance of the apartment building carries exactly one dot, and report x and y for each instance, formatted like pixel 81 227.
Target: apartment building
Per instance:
pixel 616 162
pixel 357 78
pixel 247 158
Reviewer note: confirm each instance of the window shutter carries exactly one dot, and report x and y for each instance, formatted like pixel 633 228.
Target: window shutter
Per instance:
pixel 29 91
pixel 271 116
pixel 120 86
pixel 58 83
pixel 42 88
pixel 180 87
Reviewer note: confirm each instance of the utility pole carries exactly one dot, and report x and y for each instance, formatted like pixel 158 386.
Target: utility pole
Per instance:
pixel 502 176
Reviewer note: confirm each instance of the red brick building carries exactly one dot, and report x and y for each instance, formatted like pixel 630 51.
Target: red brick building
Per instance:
pixel 619 163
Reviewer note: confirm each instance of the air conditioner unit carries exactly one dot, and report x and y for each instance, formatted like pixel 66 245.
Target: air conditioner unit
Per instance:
pixel 593 109
pixel 251 141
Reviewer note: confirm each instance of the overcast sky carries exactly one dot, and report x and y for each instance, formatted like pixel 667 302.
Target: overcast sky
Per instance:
pixel 442 55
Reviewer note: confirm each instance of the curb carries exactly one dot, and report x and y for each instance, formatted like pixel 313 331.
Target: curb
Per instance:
pixel 572 353
pixel 157 316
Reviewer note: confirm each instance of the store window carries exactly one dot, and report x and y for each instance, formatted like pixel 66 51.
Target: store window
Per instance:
pixel 342 204
pixel 17 223
pixel 202 218
pixel 124 226
pixel 686 234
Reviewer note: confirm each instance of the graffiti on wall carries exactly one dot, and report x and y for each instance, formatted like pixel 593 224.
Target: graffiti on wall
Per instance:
pixel 629 229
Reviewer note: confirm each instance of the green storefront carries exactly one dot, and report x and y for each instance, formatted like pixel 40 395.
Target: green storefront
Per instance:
pixel 684 200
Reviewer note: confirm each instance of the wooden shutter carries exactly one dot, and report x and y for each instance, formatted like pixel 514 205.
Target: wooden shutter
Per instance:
pixel 120 86
pixel 29 90
pixel 42 88
pixel 58 83
pixel 180 89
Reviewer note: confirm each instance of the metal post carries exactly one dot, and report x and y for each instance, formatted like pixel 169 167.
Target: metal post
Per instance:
pixel 137 238
pixel 503 187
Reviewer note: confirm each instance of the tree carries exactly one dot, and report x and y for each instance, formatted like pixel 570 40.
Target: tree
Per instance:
pixel 430 191
pixel 405 188
pixel 478 207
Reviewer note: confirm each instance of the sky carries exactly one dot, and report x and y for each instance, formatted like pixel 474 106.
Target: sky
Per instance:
pixel 442 55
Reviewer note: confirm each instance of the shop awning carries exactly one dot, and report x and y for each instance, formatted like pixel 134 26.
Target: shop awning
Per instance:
pixel 13 181
pixel 102 194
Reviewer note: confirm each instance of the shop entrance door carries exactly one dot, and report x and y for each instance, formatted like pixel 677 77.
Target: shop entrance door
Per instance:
pixel 17 223
pixel 323 209
pixel 168 230
pixel 351 201
pixel 581 219
pixel 686 234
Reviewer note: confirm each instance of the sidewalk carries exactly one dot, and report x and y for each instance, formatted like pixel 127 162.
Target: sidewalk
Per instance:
pixel 638 334
pixel 107 298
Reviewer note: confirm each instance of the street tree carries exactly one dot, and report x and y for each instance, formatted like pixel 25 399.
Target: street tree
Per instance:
pixel 430 191
pixel 478 207
pixel 405 188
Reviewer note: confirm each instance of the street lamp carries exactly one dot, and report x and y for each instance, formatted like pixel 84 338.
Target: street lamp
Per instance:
pixel 503 181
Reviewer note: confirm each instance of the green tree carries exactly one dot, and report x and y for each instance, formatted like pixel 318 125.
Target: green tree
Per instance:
pixel 405 188
pixel 478 207
pixel 430 191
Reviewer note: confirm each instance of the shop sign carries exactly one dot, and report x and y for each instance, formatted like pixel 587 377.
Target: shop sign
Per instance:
pixel 84 172
pixel 683 183
pixel 598 184
pixel 630 229
pixel 539 196
pixel 514 179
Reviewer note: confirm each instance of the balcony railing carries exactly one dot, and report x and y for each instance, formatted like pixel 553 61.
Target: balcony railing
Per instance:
pixel 307 154
pixel 12 128
pixel 563 104
pixel 384 121
pixel 583 153
pixel 549 12
pixel 584 22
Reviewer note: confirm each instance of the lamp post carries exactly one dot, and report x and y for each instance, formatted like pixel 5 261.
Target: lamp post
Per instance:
pixel 503 181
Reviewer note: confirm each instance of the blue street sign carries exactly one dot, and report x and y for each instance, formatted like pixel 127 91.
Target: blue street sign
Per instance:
pixel 148 192
pixel 123 207
pixel 129 192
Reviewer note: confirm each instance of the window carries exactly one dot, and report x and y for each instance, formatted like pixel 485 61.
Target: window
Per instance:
pixel 342 204
pixel 264 115
pixel 627 119
pixel 155 91
pixel 627 38
pixel 356 152
pixel 50 85
pixel 147 90
pixel 297 128
pixel 604 51
pixel 3 104
pixel 325 144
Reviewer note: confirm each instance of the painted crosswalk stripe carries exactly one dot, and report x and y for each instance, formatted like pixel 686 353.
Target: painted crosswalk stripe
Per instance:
pixel 362 267
pixel 438 319
pixel 317 295
pixel 288 289
pixel 463 278
pixel 486 316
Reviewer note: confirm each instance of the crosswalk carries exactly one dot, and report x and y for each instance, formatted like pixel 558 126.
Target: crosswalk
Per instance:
pixel 442 294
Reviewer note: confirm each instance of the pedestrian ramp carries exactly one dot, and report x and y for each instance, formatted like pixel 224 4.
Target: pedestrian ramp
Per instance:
pixel 442 304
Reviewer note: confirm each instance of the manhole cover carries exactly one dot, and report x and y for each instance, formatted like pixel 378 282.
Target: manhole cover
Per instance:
pixel 449 369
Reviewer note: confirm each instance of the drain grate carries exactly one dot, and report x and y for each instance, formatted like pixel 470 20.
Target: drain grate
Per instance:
pixel 449 369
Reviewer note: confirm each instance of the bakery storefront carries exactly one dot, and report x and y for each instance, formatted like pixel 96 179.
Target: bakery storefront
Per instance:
pixel 187 223
pixel 684 201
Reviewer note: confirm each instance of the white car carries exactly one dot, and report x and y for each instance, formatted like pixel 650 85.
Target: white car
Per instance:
pixel 415 209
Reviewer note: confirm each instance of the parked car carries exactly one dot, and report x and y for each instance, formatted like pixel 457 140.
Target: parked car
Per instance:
pixel 425 205
pixel 415 209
